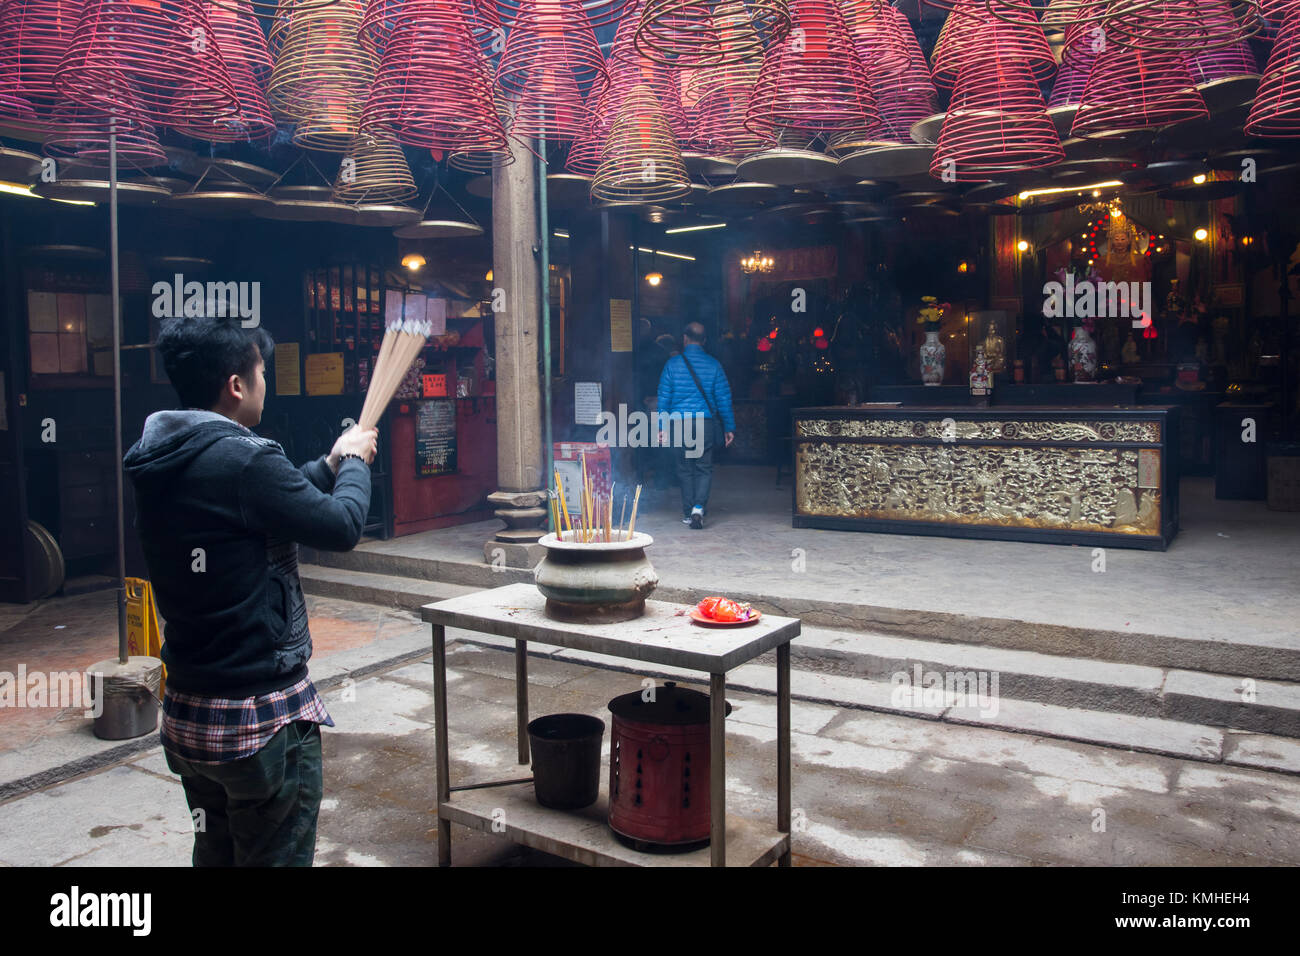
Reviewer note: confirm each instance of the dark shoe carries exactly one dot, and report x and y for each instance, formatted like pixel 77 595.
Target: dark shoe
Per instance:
pixel 697 521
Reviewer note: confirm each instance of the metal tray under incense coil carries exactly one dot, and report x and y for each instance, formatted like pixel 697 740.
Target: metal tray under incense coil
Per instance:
pixel 97 190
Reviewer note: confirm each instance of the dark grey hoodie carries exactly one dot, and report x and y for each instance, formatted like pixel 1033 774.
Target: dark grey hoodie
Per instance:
pixel 220 513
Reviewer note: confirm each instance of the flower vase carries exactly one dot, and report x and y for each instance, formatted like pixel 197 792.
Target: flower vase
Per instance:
pixel 933 358
pixel 1083 355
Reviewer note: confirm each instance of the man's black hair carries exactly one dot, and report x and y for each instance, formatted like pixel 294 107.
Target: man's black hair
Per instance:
pixel 200 355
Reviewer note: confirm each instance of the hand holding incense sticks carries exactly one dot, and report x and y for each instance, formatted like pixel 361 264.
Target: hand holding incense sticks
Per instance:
pixel 403 341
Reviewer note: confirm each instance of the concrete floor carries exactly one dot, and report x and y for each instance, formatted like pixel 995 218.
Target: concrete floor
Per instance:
pixel 869 788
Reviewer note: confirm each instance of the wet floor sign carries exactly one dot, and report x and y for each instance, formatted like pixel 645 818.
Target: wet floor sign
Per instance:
pixel 143 637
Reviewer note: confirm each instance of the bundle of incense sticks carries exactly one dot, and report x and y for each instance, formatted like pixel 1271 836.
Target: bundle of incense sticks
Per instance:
pixel 403 340
pixel 595 513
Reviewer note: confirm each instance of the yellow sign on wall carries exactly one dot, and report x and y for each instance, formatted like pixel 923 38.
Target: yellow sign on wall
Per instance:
pixel 325 373
pixel 288 378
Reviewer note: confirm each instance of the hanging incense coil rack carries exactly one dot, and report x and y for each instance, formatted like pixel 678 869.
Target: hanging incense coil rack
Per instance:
pixel 132 59
pixel 1179 26
pixel 81 133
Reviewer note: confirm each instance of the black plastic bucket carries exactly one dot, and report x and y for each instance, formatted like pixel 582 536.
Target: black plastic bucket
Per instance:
pixel 566 759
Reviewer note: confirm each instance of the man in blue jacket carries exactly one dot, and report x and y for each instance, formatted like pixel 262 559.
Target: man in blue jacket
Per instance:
pixel 693 384
pixel 219 513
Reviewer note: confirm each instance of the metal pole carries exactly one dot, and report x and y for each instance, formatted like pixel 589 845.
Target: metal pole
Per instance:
pixel 117 388
pixel 543 218
pixel 442 758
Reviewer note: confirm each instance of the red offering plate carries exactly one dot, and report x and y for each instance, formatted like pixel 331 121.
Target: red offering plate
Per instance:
pixel 699 618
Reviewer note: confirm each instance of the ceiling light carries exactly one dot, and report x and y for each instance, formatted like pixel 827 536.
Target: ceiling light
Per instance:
pixel 670 255
pixel 681 229
pixel 1022 245
pixel 654 278
pixel 1202 234
pixel 413 261
pixel 1030 193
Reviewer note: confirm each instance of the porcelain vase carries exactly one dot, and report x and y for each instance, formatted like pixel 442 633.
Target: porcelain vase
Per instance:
pixel 933 358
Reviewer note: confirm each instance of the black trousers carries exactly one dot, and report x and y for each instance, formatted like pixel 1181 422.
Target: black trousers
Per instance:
pixel 695 475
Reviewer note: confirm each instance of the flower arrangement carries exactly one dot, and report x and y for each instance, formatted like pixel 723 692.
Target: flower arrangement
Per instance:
pixel 931 312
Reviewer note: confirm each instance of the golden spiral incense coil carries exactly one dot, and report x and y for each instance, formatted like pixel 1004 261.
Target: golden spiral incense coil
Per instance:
pixel 322 74
pixel 373 171
pixel 640 162
pixel 710 31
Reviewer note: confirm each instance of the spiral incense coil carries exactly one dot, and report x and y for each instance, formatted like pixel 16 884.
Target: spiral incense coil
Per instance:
pixel 1018 34
pixel 720 128
pixel 997 121
pixel 82 133
pixel 15 108
pixel 896 71
pixel 1276 111
pixel 1272 13
pixel 640 162
pixel 593 13
pixel 584 152
pixel 1221 63
pixel 1056 17
pixel 242 46
pixel 1130 90
pixel 272 9
pixel 322 74
pixel 132 58
pixel 36 33
pixel 551 59
pixel 433 88
pixel 627 67
pixel 1084 41
pixel 813 79
pixel 373 171
pixel 1067 89
pixel 710 31
pixel 481 16
pixel 1180 26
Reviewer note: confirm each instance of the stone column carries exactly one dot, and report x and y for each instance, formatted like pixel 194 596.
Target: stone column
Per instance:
pixel 521 498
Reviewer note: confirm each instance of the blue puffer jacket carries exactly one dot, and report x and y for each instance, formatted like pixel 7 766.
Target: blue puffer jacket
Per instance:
pixel 678 393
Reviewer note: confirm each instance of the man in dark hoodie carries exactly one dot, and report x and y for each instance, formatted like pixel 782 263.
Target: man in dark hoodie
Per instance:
pixel 220 513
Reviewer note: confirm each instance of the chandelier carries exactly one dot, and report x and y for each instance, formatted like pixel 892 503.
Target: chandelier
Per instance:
pixel 757 263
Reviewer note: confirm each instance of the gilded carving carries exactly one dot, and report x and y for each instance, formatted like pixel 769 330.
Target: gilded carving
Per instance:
pixel 1126 432
pixel 1074 489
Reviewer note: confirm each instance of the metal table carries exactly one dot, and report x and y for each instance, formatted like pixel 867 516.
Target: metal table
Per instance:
pixel 661 636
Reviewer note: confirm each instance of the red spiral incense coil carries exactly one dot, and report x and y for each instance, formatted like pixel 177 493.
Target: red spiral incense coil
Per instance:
pixel 720 113
pixel 1236 59
pixel 82 133
pixel 481 16
pixel 132 57
pixel 593 13
pixel 1129 90
pixel 1179 26
pixel 584 153
pixel 1272 13
pixel 1083 42
pixel 813 81
pixel 997 121
pixel 433 87
pixel 550 61
pixel 710 32
pixel 897 72
pixel 1276 110
pixel 627 68
pixel 243 49
pixel 35 35
pixel 1056 16
pixel 1018 33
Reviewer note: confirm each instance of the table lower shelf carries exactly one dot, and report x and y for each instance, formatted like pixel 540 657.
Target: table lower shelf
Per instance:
pixel 584 836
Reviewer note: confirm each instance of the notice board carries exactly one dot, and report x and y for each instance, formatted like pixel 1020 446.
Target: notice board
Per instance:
pixel 435 437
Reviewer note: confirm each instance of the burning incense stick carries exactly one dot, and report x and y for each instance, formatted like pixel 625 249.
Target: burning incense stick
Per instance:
pixel 636 499
pixel 621 515
pixel 403 341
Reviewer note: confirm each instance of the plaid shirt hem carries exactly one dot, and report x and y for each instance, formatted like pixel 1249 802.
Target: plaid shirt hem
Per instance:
pixel 219 729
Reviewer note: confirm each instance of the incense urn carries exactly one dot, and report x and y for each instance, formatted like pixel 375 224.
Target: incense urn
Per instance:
pixel 597 583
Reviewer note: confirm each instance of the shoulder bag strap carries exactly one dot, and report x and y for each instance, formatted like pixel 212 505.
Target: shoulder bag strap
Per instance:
pixel 690 368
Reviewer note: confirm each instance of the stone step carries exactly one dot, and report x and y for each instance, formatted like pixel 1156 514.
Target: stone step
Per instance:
pixel 384 590
pixel 1261 660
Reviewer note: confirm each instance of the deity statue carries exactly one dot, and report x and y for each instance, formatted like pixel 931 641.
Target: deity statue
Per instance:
pixel 1129 353
pixel 1123 262
pixel 995 349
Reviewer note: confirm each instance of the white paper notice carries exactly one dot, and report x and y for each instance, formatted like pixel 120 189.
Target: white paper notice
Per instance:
pixel 586 403
pixel 416 305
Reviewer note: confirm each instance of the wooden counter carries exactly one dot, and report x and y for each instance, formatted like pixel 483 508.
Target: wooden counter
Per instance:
pixel 1101 476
